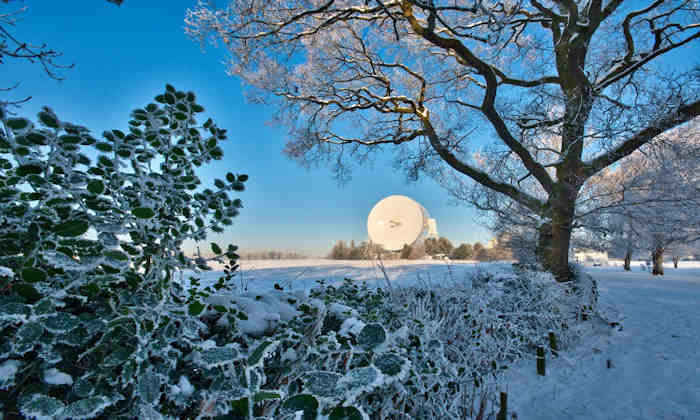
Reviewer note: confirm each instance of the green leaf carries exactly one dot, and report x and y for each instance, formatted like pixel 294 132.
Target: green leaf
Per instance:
pixel 48 119
pixel 267 395
pixel 259 353
pixel 242 178
pixel 302 402
pixel 197 108
pixel 30 170
pixel 169 88
pixel 117 255
pixel 143 212
pixel 180 116
pixel 33 275
pixel 17 123
pixel 71 228
pixel 215 249
pixel 96 186
pixel 37 138
pixel 345 413
pixel 104 147
pixel 195 308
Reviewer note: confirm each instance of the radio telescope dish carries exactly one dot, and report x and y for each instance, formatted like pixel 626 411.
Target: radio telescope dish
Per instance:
pixel 396 221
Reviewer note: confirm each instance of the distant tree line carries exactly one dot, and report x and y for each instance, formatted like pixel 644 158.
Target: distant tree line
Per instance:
pixel 273 255
pixel 434 247
pixel 363 251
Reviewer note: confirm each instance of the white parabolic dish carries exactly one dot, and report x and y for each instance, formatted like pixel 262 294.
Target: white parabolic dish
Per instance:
pixel 396 221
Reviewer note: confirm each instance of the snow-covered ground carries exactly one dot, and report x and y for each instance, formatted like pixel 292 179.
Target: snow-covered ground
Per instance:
pixel 654 368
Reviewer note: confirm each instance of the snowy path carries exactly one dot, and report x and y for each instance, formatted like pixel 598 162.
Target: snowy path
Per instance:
pixel 655 370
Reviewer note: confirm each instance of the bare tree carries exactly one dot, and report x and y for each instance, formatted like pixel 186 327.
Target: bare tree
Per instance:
pixel 430 77
pixel 13 48
pixel 656 205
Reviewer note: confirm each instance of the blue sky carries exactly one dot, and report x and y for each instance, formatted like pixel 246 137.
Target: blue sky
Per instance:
pixel 123 57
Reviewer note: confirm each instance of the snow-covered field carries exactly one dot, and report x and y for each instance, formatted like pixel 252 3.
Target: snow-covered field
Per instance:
pixel 654 368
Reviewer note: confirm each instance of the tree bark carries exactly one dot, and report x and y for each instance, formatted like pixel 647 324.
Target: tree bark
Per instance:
pixel 553 243
pixel 675 262
pixel 561 240
pixel 543 251
pixel 628 261
pixel 657 257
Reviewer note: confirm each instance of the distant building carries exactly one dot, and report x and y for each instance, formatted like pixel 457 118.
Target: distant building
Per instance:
pixel 432 229
pixel 590 256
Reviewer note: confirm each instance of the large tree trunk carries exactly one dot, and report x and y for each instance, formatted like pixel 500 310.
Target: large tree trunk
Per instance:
pixel 657 258
pixel 628 261
pixel 553 244
pixel 543 250
pixel 675 261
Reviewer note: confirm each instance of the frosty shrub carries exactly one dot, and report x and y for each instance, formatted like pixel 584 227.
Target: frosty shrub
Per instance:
pixel 419 353
pixel 91 321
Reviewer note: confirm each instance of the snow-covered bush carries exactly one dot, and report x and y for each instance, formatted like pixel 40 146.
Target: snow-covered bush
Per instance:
pixel 90 240
pixel 442 350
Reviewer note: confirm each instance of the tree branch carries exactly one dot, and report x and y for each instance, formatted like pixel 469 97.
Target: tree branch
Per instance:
pixel 684 114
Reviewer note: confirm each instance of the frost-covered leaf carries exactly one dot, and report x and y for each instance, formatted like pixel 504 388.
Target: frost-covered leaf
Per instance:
pixel 117 357
pixel 83 388
pixel 14 311
pixel 87 408
pixel 371 336
pixel 358 381
pixel 148 388
pixel 43 407
pixel 27 336
pixel 321 383
pixel 306 403
pixel 44 306
pixel 61 323
pixel 217 356
pixel 148 412
pixel 391 364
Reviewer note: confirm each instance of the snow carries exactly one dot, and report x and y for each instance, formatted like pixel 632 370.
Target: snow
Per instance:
pixel 55 377
pixel 8 369
pixel 654 368
pixel 351 325
pixel 6 272
pixel 185 386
